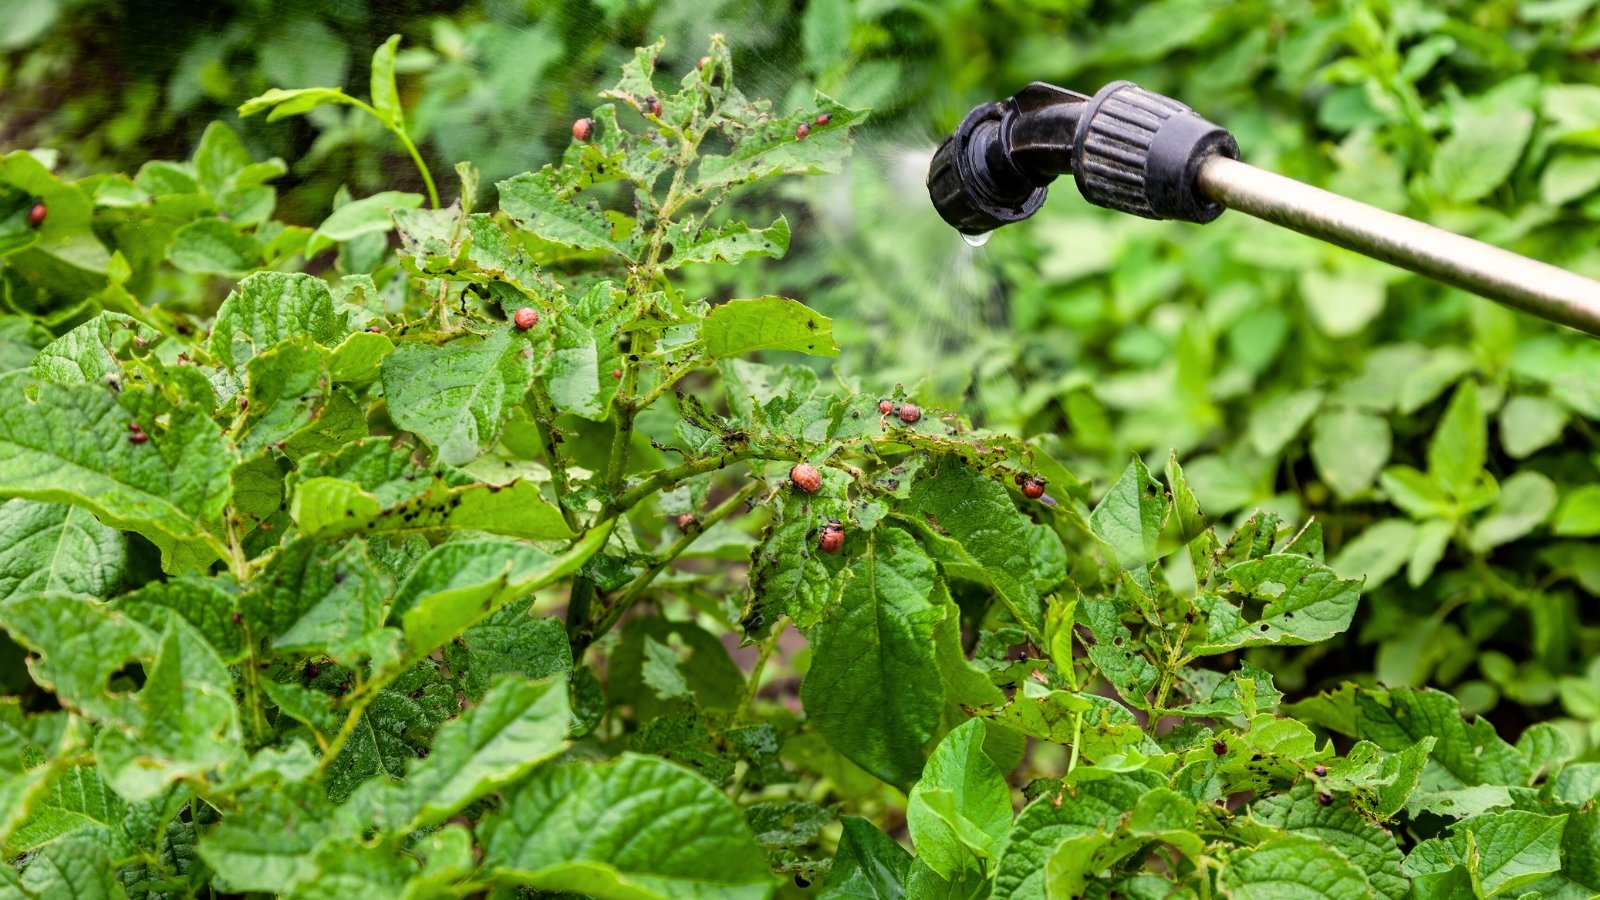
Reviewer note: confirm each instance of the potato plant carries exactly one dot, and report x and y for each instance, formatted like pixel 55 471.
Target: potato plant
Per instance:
pixel 416 567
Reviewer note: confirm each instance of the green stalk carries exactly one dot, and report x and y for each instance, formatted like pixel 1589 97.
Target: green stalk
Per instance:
pixel 641 582
pixel 427 177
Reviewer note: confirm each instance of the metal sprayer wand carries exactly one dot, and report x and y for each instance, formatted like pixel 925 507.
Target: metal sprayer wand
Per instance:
pixel 1137 151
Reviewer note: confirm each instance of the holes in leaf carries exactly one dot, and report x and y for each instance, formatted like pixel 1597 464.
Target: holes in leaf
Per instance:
pixel 128 679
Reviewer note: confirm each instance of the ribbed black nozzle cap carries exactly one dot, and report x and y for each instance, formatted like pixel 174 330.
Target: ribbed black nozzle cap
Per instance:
pixel 1140 152
pixel 963 186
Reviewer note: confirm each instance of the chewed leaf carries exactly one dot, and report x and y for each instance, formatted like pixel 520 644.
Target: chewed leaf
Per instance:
pixel 766 323
pixel 799 143
pixel 91 352
pixel 689 242
pixel 1305 602
pixel 538 203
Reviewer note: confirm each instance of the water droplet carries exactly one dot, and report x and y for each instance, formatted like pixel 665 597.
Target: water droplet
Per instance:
pixel 976 240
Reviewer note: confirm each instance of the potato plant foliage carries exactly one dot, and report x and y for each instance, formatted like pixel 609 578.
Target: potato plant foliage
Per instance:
pixel 348 586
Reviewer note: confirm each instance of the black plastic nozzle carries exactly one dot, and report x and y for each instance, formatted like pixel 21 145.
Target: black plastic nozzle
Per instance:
pixel 1127 148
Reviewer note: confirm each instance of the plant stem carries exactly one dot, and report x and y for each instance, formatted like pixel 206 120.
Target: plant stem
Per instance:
pixel 754 684
pixel 250 669
pixel 544 417
pixel 666 477
pixel 364 697
pixel 641 582
pixel 427 177
pixel 1168 672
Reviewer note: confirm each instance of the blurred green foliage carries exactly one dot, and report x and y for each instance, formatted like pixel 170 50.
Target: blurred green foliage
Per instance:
pixel 1447 446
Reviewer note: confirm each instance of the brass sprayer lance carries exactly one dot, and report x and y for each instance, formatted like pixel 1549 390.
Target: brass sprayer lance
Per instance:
pixel 1139 152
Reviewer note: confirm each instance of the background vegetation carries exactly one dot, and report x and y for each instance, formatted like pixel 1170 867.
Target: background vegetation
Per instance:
pixel 1446 446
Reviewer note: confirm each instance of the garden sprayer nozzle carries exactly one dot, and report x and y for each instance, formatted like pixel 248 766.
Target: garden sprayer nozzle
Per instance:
pixel 1127 148
pixel 1136 151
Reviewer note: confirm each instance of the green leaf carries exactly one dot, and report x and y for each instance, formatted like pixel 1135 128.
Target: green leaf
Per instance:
pixel 1378 552
pixel 1129 518
pixel 220 157
pixel 1113 651
pixel 458 584
pixel 513 729
pixel 344 866
pixel 293 404
pixel 51 547
pixel 328 507
pixel 1305 602
pixel 1465 754
pixel 578 372
pixel 1088 814
pixel 77 868
pixel 188 723
pixel 1399 774
pixel 1568 177
pixel 1295 866
pixel 1373 850
pixel 1526 500
pixel 512 640
pixel 295 102
pixel 694 242
pixel 205 603
pixel 1278 421
pixel 268 307
pixel 1502 851
pixel 357 357
pixel 79 802
pixel 369 215
pixel 1349 448
pixel 92 352
pixel 1529 424
pixel 869 865
pixel 1460 445
pixel 775 147
pixel 969 522
pixel 213 247
pixel 1579 513
pixel 634 828
pixel 457 396
pixel 704 670
pixel 1433 538
pixel 1416 493
pixel 1580 858
pixel 1481 151
pixel 80 645
pixel 536 201
pixel 1342 303
pixel 1102 727
pixel 960 810
pixel 766 323
pixel 71 445
pixel 866 691
pixel 1546 748
pixel 317 597
pixel 787 573
pixel 430 239
pixel 272 844
pixel 385 96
